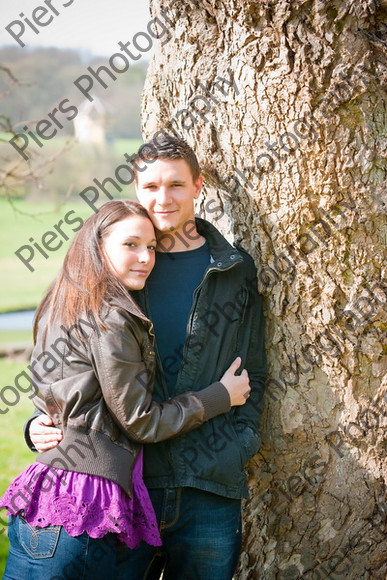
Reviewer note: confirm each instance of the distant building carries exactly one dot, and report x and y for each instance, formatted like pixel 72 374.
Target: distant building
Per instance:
pixel 91 125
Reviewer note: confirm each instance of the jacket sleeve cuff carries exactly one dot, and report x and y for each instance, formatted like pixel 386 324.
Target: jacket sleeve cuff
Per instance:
pixel 27 434
pixel 26 429
pixel 215 400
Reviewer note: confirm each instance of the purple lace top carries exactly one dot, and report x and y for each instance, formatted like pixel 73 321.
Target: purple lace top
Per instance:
pixel 84 503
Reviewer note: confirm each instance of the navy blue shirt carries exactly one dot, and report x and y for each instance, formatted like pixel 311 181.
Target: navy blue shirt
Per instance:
pixel 171 286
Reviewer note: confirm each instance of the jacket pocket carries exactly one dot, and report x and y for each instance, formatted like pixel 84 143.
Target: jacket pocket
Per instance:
pixel 243 306
pixel 38 542
pixel 249 440
pixel 213 452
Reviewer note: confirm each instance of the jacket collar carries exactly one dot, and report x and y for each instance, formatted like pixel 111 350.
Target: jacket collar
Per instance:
pixel 223 256
pixel 132 309
pixel 223 253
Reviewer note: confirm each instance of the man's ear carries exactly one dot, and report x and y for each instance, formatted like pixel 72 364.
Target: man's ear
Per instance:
pixel 198 186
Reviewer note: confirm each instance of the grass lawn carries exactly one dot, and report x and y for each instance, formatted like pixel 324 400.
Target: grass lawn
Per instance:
pixel 15 337
pixel 129 146
pixel 23 224
pixel 14 453
pixel 20 288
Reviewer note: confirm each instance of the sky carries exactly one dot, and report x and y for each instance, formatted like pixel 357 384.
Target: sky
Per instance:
pixel 90 25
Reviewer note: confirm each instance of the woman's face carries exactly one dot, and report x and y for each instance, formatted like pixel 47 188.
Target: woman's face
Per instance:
pixel 129 248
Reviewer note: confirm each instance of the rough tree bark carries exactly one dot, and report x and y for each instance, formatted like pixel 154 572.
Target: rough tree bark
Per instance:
pixel 291 141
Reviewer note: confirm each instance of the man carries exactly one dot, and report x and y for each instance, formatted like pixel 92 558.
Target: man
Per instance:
pixel 203 301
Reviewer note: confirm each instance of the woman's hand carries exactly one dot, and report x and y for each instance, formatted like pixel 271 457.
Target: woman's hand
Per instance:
pixel 238 386
pixel 42 435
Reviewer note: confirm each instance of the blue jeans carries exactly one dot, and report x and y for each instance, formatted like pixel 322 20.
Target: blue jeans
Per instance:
pixel 201 535
pixel 51 554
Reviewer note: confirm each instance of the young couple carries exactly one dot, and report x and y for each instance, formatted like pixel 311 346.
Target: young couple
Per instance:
pixel 130 401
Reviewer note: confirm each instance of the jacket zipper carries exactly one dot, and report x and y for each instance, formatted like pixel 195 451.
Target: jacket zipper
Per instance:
pixel 193 308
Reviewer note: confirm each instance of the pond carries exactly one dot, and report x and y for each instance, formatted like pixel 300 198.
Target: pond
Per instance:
pixel 20 320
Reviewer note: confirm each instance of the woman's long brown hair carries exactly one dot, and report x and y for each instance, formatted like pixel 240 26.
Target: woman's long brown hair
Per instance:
pixel 85 283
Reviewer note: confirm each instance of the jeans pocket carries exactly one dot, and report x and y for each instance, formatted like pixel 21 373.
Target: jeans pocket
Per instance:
pixel 38 542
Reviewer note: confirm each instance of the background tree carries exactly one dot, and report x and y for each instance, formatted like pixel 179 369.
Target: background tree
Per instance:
pixel 292 145
pixel 32 84
pixel 45 77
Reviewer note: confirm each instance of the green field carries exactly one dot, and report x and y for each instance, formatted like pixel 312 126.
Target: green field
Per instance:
pixel 20 288
pixel 14 453
pixel 24 223
pixel 15 337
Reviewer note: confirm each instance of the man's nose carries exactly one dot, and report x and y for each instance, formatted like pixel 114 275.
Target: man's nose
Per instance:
pixel 163 196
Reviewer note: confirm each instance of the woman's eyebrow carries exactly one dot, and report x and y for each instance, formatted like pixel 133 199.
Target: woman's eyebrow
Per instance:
pixel 137 238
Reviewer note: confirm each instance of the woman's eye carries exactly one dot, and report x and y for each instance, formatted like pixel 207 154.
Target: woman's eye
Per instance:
pixel 152 248
pixel 130 244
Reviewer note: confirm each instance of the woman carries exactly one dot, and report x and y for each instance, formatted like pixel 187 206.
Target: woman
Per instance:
pixel 94 363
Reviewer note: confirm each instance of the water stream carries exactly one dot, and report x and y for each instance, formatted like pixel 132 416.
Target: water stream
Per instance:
pixel 21 320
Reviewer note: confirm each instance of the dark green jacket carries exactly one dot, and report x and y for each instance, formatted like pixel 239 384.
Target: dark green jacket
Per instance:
pixel 226 321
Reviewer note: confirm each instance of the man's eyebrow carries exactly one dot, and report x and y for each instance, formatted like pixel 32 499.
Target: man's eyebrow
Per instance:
pixel 148 183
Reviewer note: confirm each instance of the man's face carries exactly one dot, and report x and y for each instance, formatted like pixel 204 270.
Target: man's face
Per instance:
pixel 167 191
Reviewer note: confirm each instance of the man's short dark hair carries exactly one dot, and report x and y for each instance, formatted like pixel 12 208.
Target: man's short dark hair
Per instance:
pixel 165 146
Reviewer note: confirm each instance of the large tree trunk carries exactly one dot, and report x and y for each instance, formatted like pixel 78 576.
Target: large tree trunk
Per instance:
pixel 292 150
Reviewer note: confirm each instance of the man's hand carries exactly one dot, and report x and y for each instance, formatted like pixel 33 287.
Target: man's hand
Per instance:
pixel 42 436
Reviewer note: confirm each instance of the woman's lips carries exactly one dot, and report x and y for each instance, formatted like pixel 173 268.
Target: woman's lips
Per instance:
pixel 140 272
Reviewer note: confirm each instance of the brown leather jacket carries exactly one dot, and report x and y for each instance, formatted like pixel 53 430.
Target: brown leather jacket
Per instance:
pixel 99 392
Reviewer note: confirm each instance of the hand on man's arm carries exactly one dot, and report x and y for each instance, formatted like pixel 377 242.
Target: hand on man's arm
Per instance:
pixel 39 434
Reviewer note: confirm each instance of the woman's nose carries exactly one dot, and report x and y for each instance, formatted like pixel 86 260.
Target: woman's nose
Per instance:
pixel 145 256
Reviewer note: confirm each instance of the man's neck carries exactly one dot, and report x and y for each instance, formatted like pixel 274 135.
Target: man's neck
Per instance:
pixel 180 240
